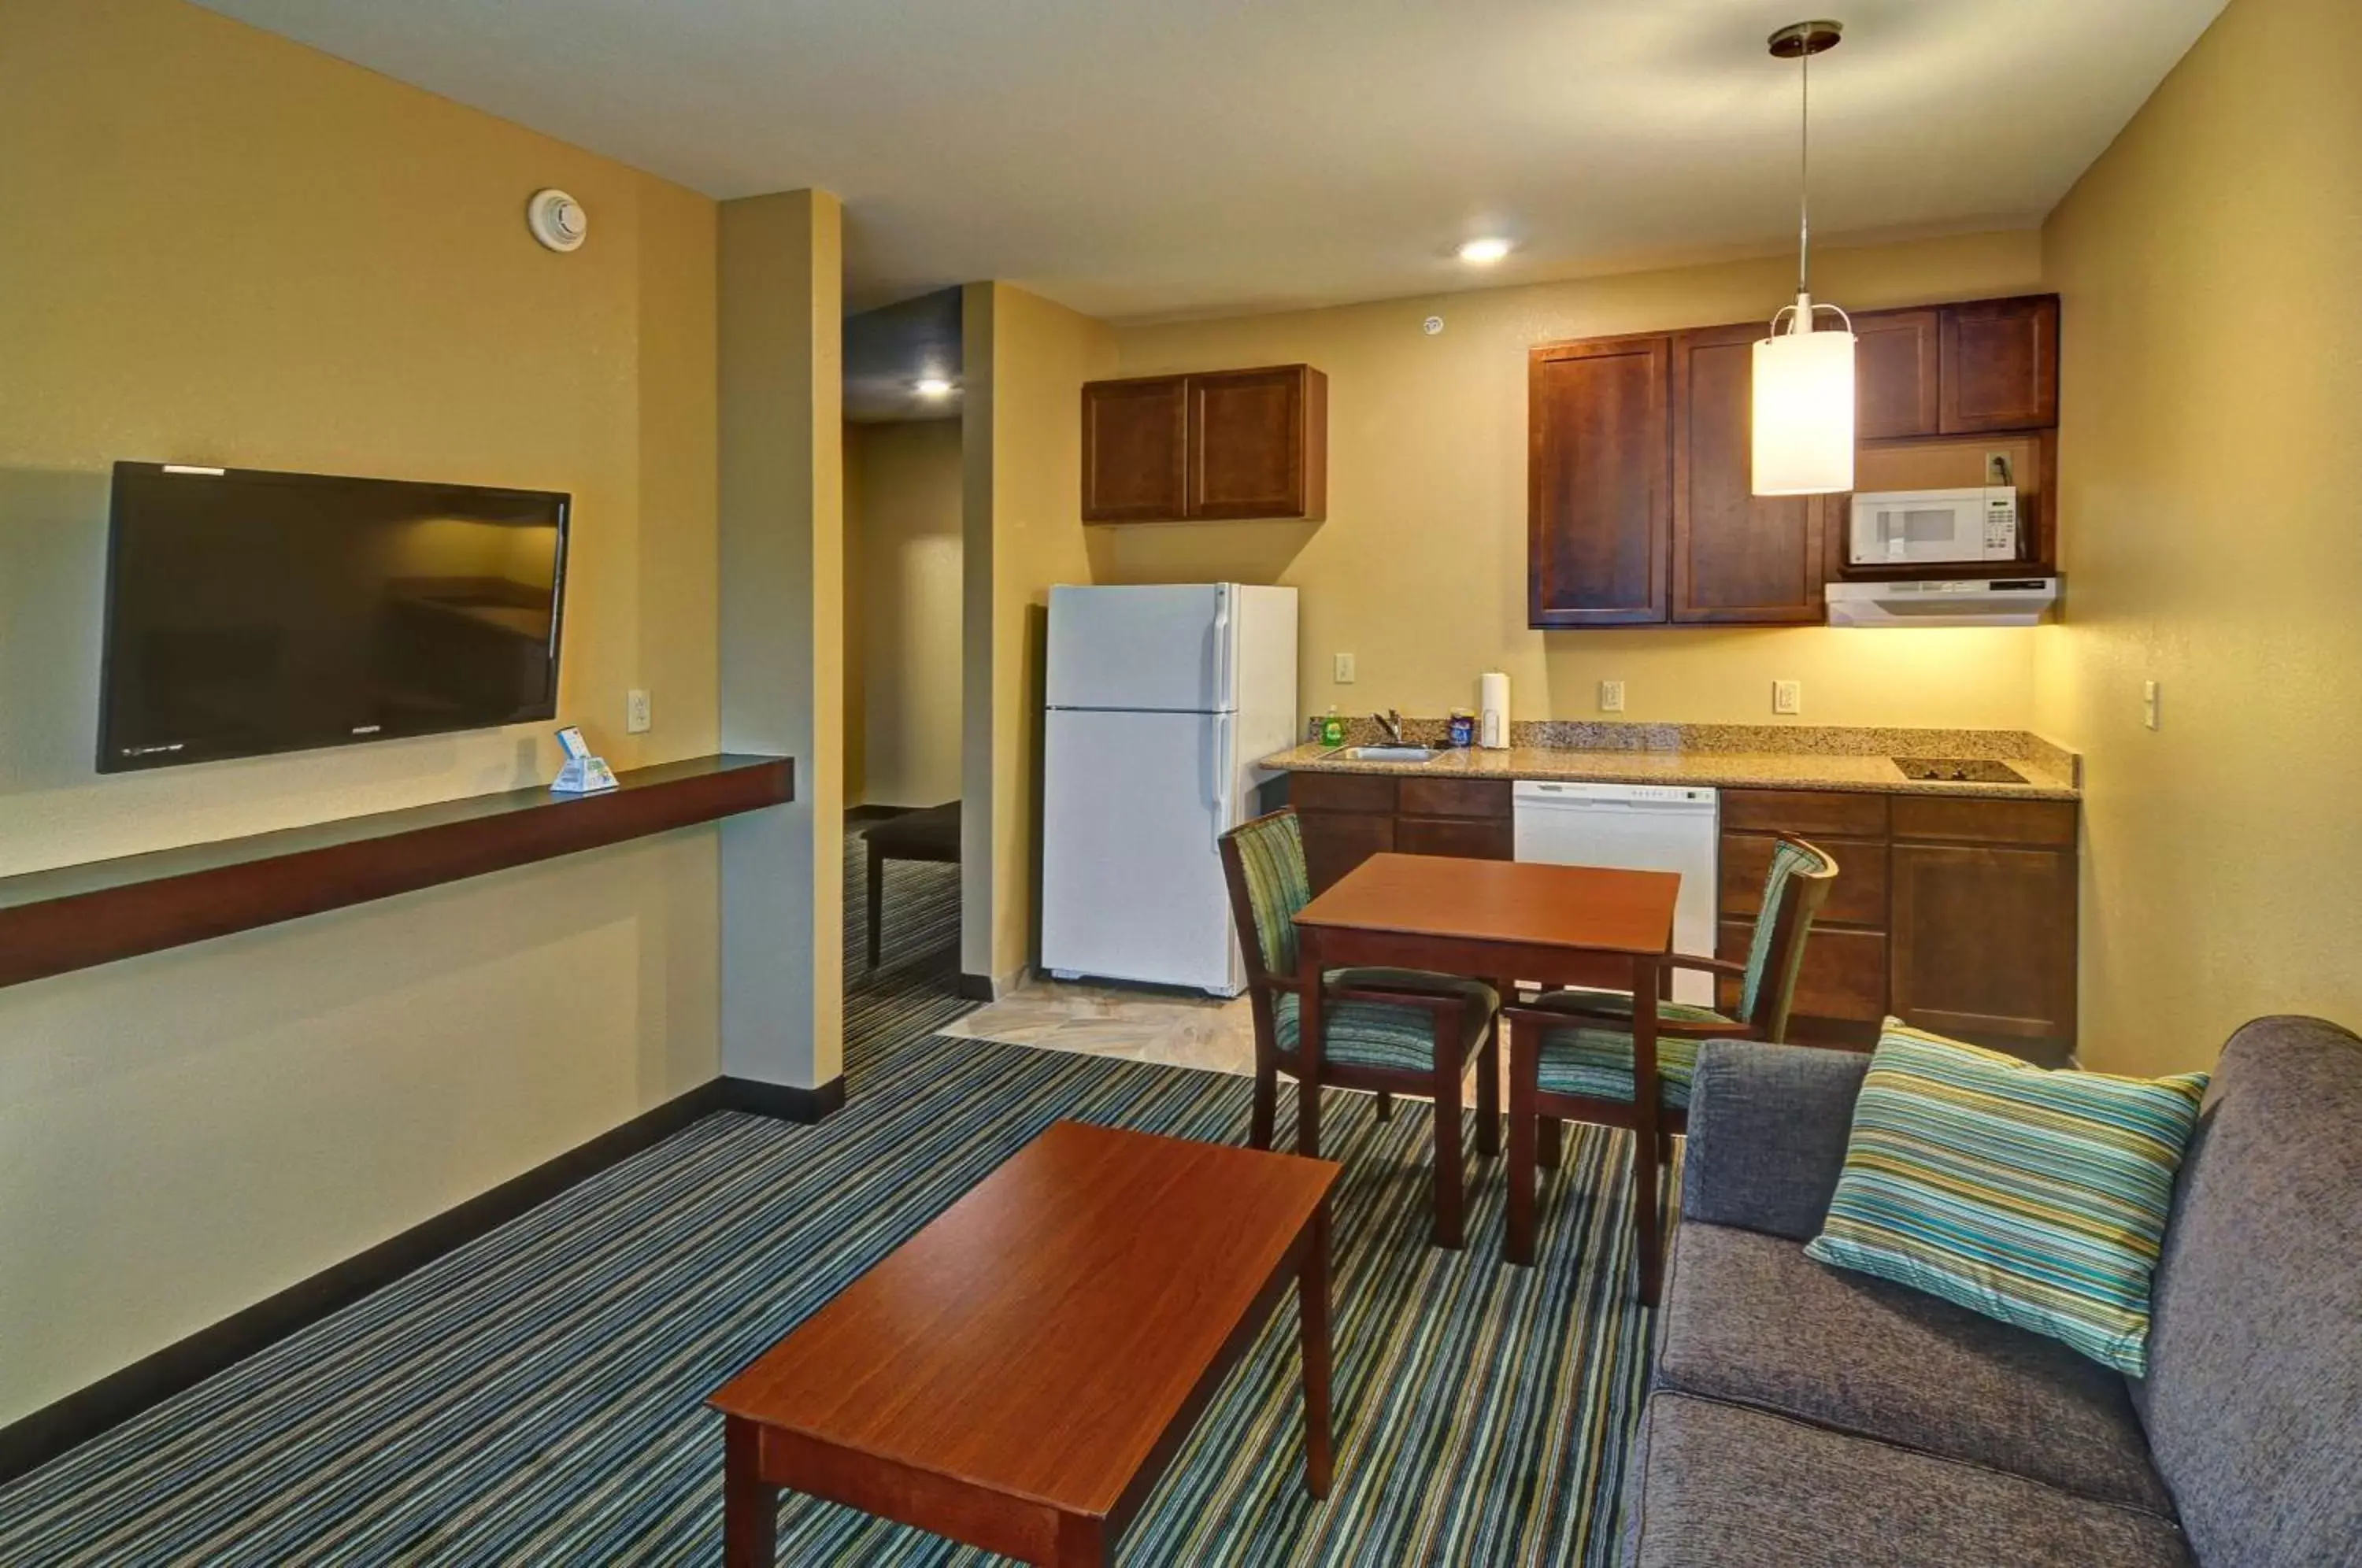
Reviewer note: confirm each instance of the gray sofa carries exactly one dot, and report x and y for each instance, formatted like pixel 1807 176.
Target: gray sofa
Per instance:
pixel 1802 1415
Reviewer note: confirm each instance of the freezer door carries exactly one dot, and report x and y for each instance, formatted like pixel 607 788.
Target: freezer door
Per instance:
pixel 1153 649
pixel 1131 878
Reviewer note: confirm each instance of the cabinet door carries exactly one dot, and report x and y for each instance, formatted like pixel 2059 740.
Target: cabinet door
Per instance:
pixel 1897 375
pixel 2001 365
pixel 1984 943
pixel 1135 436
pixel 1256 448
pixel 1737 557
pixel 1843 977
pixel 1336 842
pixel 1599 483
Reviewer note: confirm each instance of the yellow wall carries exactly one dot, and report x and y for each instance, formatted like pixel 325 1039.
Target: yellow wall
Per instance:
pixel 902 612
pixel 218 247
pixel 1420 569
pixel 2211 268
pixel 1025 360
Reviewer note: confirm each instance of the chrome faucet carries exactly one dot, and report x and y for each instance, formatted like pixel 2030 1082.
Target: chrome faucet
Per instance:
pixel 1391 722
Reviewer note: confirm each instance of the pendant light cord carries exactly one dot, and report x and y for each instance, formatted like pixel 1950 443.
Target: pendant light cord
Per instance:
pixel 1805 177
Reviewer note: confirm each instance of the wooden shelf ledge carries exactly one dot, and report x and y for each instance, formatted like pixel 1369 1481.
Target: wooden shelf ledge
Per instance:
pixel 76 917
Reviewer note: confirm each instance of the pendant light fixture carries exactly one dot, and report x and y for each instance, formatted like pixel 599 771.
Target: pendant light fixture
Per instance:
pixel 1804 378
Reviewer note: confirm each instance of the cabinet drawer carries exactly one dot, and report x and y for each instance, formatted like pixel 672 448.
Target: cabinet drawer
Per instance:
pixel 1455 798
pixel 1340 792
pixel 1475 838
pixel 1336 842
pixel 1857 897
pixel 1972 820
pixel 1809 813
pixel 1843 977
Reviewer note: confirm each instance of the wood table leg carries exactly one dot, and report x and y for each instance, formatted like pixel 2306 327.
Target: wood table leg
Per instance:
pixel 1312 1311
pixel 877 904
pixel 750 1509
pixel 1451 1170
pixel 1646 1107
pixel 1518 1245
pixel 1082 1541
pixel 1550 1142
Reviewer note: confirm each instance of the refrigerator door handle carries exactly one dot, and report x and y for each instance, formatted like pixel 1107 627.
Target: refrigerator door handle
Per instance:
pixel 1223 697
pixel 1221 782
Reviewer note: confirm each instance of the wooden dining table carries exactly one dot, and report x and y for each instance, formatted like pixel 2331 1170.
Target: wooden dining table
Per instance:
pixel 1500 921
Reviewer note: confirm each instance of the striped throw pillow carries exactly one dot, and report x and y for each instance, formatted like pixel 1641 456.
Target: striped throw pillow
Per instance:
pixel 2034 1197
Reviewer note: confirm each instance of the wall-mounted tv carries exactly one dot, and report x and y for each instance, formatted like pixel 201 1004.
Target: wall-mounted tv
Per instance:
pixel 251 612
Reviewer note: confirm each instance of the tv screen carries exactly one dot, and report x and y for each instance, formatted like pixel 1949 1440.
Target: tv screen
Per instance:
pixel 251 612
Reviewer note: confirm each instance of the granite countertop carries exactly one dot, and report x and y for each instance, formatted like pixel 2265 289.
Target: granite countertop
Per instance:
pixel 1727 757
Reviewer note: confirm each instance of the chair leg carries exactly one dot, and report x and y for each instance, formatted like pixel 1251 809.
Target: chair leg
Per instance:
pixel 1451 1175
pixel 1385 1106
pixel 1549 1140
pixel 1307 1118
pixel 1645 1236
pixel 1488 1095
pixel 1267 1106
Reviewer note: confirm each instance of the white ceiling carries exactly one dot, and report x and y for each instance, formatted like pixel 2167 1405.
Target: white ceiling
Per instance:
pixel 1142 158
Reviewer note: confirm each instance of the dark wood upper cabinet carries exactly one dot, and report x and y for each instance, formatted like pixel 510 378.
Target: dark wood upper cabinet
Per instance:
pixel 1227 444
pixel 1599 483
pixel 1897 373
pixel 1258 443
pixel 1737 557
pixel 1999 365
pixel 1136 443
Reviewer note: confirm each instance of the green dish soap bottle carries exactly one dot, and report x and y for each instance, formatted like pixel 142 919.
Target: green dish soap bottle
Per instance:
pixel 1333 728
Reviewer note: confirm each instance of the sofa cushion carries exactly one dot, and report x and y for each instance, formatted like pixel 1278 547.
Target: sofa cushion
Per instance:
pixel 1749 1318
pixel 2254 1397
pixel 1723 1484
pixel 2034 1197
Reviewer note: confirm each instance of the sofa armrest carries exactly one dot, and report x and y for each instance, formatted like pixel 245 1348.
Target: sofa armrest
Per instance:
pixel 1767 1135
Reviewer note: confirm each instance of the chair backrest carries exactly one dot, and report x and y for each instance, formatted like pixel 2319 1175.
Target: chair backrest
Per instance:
pixel 1263 861
pixel 2255 1340
pixel 1793 890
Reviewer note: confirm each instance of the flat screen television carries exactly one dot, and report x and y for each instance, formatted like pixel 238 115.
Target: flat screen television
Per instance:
pixel 251 612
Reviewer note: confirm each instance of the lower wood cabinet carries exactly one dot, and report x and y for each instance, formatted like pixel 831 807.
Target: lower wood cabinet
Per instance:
pixel 1954 913
pixel 1348 817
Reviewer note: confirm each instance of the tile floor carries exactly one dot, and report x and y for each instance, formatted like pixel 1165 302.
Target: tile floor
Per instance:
pixel 1133 1023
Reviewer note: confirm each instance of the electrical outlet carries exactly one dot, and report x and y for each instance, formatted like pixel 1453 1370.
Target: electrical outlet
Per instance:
pixel 1611 696
pixel 1787 696
pixel 635 713
pixel 2148 704
pixel 1344 669
pixel 1997 469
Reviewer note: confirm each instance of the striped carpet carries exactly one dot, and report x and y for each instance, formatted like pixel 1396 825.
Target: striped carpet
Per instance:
pixel 536 1397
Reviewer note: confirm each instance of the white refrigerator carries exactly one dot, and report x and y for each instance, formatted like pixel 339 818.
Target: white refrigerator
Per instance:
pixel 1160 701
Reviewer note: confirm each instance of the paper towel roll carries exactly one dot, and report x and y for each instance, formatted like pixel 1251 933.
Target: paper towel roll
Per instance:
pixel 1493 700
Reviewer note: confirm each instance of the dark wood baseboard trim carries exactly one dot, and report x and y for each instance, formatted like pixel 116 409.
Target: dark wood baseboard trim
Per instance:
pixel 856 815
pixel 35 1440
pixel 785 1102
pixel 975 987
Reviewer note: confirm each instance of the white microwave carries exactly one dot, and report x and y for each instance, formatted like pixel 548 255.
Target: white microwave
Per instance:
pixel 1904 527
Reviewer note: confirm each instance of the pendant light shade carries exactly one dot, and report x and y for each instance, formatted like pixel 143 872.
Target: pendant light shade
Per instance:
pixel 1803 410
pixel 1804 378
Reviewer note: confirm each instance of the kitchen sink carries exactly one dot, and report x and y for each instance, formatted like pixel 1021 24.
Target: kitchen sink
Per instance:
pixel 1385 753
pixel 1957 770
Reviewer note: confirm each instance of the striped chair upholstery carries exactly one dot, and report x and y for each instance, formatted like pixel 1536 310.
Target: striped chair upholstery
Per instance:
pixel 1597 1064
pixel 1359 1034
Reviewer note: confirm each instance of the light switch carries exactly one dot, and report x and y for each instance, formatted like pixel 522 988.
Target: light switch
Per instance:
pixel 2148 704
pixel 635 713
pixel 1611 696
pixel 1344 669
pixel 1787 696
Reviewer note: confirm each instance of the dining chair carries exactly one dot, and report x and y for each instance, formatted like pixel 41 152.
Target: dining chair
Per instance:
pixel 1388 1031
pixel 1574 1057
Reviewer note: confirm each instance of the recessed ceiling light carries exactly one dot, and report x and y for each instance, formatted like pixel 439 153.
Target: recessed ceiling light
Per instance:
pixel 931 386
pixel 1484 252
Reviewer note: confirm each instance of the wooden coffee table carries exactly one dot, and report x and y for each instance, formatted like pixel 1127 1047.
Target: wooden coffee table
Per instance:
pixel 1018 1374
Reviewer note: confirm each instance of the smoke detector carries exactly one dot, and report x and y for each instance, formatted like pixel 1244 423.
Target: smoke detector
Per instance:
pixel 557 220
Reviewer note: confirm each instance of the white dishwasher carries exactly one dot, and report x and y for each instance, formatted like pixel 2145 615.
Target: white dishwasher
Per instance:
pixel 1634 827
